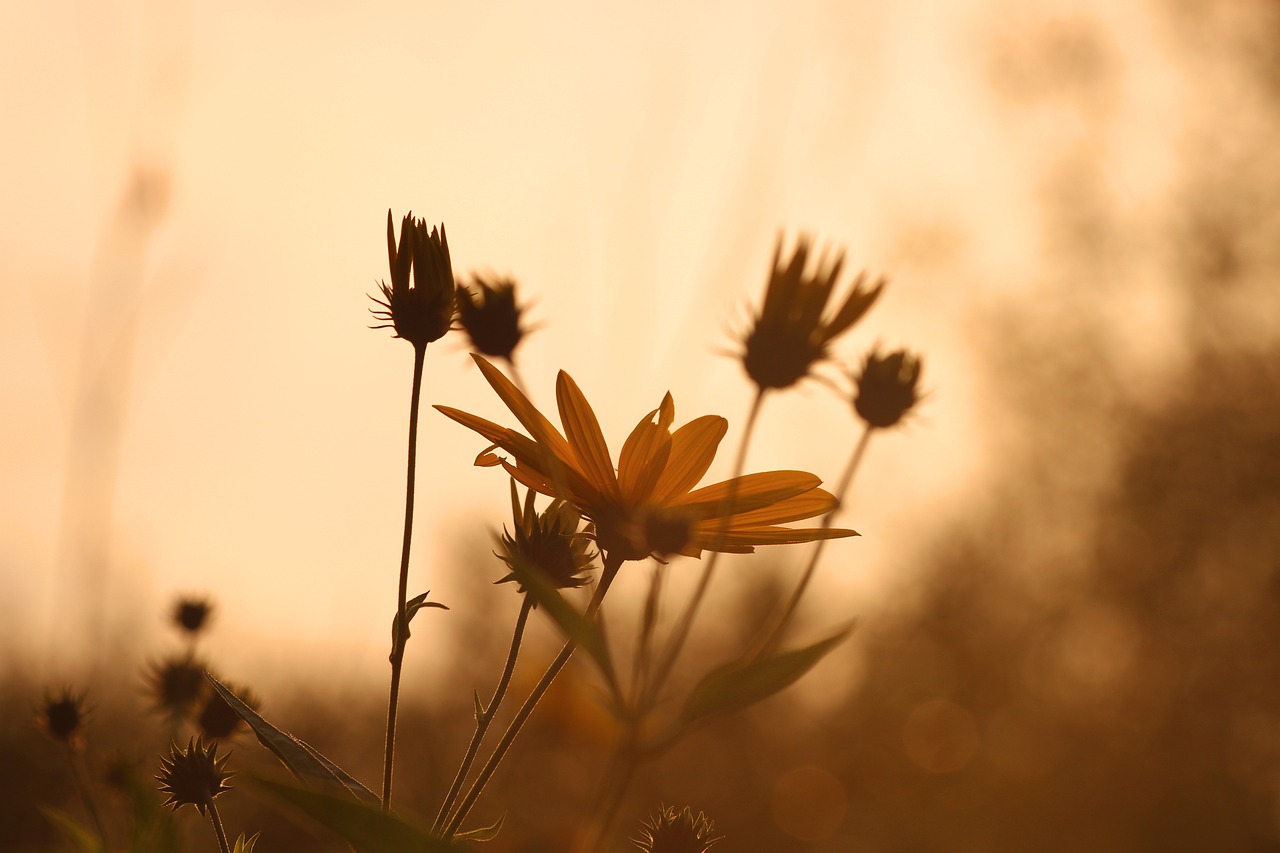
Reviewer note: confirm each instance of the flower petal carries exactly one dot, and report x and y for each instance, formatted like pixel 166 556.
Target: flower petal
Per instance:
pixel 585 437
pixel 811 504
pixel 737 539
pixel 645 454
pixel 693 447
pixel 541 429
pixel 749 492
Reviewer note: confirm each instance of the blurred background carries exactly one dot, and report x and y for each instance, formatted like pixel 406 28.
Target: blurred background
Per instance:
pixel 1068 582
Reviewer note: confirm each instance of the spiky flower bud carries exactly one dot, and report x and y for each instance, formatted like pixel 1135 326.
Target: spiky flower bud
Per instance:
pixel 489 313
pixel 548 540
pixel 671 831
pixel 194 775
pixel 176 684
pixel 192 614
pixel 791 335
pixel 423 311
pixel 62 717
pixel 887 387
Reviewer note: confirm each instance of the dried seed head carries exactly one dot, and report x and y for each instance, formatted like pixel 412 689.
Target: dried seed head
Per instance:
pixel 887 387
pixel 671 831
pixel 194 775
pixel 177 684
pixel 62 717
pixel 192 614
pixel 423 311
pixel 548 540
pixel 489 313
pixel 216 719
pixel 791 335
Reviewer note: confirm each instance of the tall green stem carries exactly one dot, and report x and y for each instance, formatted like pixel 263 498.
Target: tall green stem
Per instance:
pixel 607 574
pixel 783 618
pixel 400 635
pixel 485 717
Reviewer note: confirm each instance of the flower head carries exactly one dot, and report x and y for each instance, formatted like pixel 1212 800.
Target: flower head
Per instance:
pixel 489 313
pixel 887 387
pixel 791 334
pixel 651 490
pixel 192 614
pixel 176 684
pixel 548 540
pixel 62 717
pixel 671 831
pixel 194 775
pixel 422 312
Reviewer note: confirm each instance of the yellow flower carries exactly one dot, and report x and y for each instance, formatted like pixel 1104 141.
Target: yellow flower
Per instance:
pixel 635 507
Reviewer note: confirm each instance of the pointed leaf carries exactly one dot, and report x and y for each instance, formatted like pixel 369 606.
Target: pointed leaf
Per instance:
pixel 738 685
pixel 245 845
pixel 365 827
pixel 575 625
pixel 411 608
pixel 484 833
pixel 84 840
pixel 306 763
pixel 475 695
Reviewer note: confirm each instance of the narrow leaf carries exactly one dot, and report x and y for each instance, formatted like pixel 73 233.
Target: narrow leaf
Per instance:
pixel 245 845
pixel 475 695
pixel 575 625
pixel 738 685
pixel 84 840
pixel 364 827
pixel 303 761
pixel 484 833
pixel 411 608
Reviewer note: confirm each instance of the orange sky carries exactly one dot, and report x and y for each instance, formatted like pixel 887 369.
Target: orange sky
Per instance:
pixel 631 166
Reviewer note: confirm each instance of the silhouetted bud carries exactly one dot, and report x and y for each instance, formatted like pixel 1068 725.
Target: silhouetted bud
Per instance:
pixel 62 717
pixel 420 312
pixel 671 831
pixel 791 334
pixel 887 387
pixel 193 776
pixel 216 719
pixel 548 540
pixel 489 313
pixel 192 614
pixel 176 685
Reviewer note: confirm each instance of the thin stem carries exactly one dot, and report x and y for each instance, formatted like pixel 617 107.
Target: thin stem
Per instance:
pixel 640 668
pixel 217 826
pixel 691 609
pixel 621 771
pixel 397 649
pixel 86 796
pixel 610 570
pixel 783 617
pixel 486 716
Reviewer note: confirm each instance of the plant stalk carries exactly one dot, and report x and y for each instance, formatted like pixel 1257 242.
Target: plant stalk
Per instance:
pixel 486 717
pixel 217 826
pixel 401 635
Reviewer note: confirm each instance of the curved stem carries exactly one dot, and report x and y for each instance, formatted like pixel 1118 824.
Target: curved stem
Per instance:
pixel 400 637
pixel 486 716
pixel 783 618
pixel 217 826
pixel 681 633
pixel 611 566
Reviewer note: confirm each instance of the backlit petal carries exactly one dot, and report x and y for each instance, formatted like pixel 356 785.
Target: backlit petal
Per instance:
pixel 736 539
pixel 693 447
pixel 645 454
pixel 539 427
pixel 811 504
pixel 585 436
pixel 750 492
